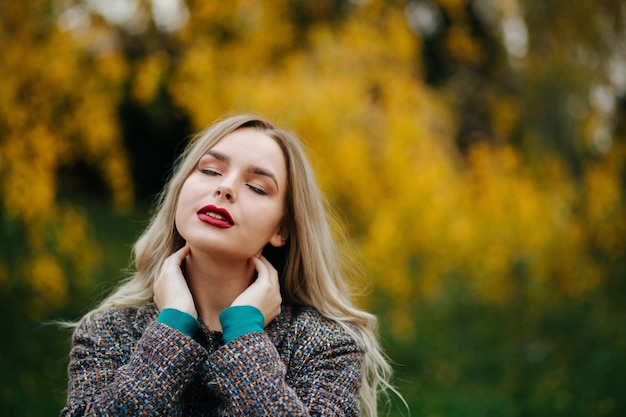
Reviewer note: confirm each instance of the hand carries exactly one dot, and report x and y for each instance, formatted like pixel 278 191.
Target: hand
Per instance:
pixel 170 288
pixel 264 292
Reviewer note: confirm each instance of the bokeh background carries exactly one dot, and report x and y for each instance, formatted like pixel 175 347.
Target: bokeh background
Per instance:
pixel 475 150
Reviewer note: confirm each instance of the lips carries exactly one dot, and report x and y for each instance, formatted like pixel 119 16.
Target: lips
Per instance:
pixel 215 216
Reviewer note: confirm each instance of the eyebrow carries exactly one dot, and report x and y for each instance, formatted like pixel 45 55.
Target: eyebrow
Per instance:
pixel 252 168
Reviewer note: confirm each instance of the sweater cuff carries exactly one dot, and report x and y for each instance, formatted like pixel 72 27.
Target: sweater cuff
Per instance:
pixel 240 320
pixel 178 320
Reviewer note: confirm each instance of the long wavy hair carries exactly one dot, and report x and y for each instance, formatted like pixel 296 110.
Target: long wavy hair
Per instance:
pixel 313 270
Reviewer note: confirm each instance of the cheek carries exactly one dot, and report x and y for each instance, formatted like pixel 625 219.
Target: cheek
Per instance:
pixel 274 221
pixel 261 217
pixel 182 203
pixel 187 191
pixel 179 223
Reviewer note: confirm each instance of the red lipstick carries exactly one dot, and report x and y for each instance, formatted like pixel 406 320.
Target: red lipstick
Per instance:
pixel 215 216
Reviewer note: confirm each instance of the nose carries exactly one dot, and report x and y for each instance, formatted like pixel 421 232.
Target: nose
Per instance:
pixel 226 192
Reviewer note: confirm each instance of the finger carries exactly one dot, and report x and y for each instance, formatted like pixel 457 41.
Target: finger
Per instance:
pixel 266 271
pixel 256 262
pixel 268 276
pixel 176 259
pixel 181 254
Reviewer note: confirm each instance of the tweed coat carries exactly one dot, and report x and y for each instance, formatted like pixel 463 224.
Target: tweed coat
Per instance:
pixel 123 362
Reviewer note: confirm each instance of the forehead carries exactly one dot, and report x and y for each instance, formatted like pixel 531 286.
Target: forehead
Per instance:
pixel 252 147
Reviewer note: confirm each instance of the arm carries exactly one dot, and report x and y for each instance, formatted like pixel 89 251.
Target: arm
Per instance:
pixel 323 377
pixel 111 373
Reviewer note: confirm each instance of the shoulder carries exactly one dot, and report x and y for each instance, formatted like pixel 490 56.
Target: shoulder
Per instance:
pixel 310 330
pixel 117 320
pixel 309 319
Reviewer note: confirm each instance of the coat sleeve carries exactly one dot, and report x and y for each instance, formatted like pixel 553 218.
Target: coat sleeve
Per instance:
pixel 111 373
pixel 323 377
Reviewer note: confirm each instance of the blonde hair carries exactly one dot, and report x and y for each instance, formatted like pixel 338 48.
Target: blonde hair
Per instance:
pixel 311 267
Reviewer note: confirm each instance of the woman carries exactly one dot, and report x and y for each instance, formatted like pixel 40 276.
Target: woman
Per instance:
pixel 238 306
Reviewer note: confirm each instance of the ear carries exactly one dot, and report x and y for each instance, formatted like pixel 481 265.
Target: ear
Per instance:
pixel 280 237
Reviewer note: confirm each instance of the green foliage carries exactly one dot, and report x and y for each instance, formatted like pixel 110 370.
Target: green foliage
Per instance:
pixel 35 349
pixel 468 359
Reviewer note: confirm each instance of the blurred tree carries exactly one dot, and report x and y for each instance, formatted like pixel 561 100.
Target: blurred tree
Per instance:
pixel 529 73
pixel 54 122
pixel 58 133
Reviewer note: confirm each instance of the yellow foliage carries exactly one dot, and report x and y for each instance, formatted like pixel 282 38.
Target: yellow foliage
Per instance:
pixel 147 78
pixel 402 324
pixel 47 280
pixel 604 203
pixel 58 103
pixel 505 114
pixel 462 46
pixel 455 8
pixel 381 141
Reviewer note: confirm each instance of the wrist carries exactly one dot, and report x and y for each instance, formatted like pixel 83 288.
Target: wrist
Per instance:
pixel 182 308
pixel 240 320
pixel 179 320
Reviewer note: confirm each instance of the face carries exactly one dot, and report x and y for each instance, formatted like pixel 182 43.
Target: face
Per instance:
pixel 232 204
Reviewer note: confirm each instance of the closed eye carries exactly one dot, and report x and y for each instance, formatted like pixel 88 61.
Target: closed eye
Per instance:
pixel 209 171
pixel 256 189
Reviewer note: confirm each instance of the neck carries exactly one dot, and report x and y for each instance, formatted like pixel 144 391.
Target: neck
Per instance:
pixel 214 284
